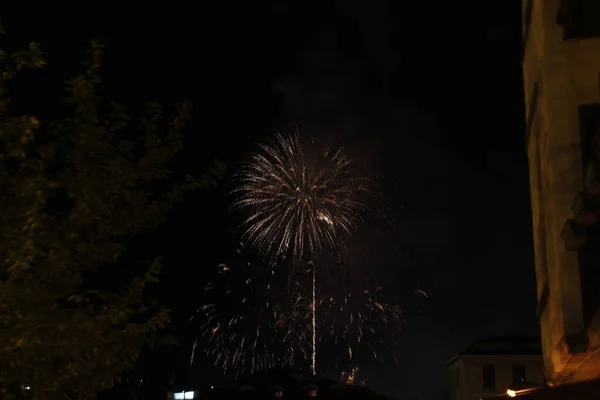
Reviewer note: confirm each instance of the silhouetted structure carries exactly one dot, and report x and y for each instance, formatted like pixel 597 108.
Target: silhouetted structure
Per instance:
pixel 561 59
pixel 291 384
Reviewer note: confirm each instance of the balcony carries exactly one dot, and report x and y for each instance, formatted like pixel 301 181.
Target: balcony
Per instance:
pixel 573 235
pixel 586 209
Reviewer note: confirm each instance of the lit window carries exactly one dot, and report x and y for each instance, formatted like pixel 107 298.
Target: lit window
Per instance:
pixel 187 395
pixel 312 393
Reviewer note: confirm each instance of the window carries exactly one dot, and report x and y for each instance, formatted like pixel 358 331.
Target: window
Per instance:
pixel 277 391
pixel 579 18
pixel 518 372
pixel 489 377
pixel 311 390
pixel 187 395
pixel 589 120
pixel 589 273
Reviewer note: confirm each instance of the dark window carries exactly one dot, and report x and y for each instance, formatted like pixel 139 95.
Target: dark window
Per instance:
pixel 489 377
pixel 518 372
pixel 589 274
pixel 579 18
pixel 589 120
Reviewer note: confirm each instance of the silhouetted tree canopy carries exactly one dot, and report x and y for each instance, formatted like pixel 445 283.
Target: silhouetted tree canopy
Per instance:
pixel 71 192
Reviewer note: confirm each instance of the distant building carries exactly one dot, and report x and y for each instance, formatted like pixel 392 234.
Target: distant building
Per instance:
pixel 489 367
pixel 561 64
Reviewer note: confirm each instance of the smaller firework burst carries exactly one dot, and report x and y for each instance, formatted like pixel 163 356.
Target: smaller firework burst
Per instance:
pixel 360 322
pixel 350 378
pixel 252 321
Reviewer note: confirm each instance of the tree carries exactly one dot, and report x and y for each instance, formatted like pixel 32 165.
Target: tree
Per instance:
pixel 71 192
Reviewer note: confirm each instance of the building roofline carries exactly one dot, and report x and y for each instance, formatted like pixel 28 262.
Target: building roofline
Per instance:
pixel 491 355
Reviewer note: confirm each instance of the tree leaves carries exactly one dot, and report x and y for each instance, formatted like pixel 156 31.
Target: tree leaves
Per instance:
pixel 71 191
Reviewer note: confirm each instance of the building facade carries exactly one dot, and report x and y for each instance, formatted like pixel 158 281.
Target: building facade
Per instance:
pixel 561 69
pixel 489 367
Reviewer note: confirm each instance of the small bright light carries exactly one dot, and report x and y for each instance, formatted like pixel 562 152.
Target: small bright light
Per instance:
pixel 26 387
pixel 511 393
pixel 179 396
pixel 212 387
pixel 188 395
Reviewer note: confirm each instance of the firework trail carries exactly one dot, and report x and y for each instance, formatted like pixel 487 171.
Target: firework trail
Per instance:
pixel 297 203
pixel 252 320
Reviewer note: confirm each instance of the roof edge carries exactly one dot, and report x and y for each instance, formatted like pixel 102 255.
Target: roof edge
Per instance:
pixel 459 356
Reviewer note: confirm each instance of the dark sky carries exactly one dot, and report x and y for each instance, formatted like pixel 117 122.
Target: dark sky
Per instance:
pixel 429 97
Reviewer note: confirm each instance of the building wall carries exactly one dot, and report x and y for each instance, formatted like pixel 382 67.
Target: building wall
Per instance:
pixel 467 375
pixel 564 73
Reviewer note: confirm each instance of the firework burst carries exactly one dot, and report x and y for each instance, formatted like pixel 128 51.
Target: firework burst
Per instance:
pixel 251 322
pixel 359 322
pixel 297 200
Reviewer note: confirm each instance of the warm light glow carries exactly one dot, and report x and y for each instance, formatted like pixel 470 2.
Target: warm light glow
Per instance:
pixel 349 378
pixel 187 395
pixel 312 393
pixel 514 393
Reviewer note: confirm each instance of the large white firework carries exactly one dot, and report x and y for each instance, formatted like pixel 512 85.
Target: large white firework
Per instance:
pixel 297 200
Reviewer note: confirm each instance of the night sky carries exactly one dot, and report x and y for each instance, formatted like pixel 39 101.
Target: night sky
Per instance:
pixel 427 97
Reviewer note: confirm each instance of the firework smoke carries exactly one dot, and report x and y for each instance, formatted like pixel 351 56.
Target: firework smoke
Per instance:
pixel 252 321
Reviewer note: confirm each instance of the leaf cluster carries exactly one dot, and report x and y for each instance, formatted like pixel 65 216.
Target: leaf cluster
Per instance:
pixel 71 192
